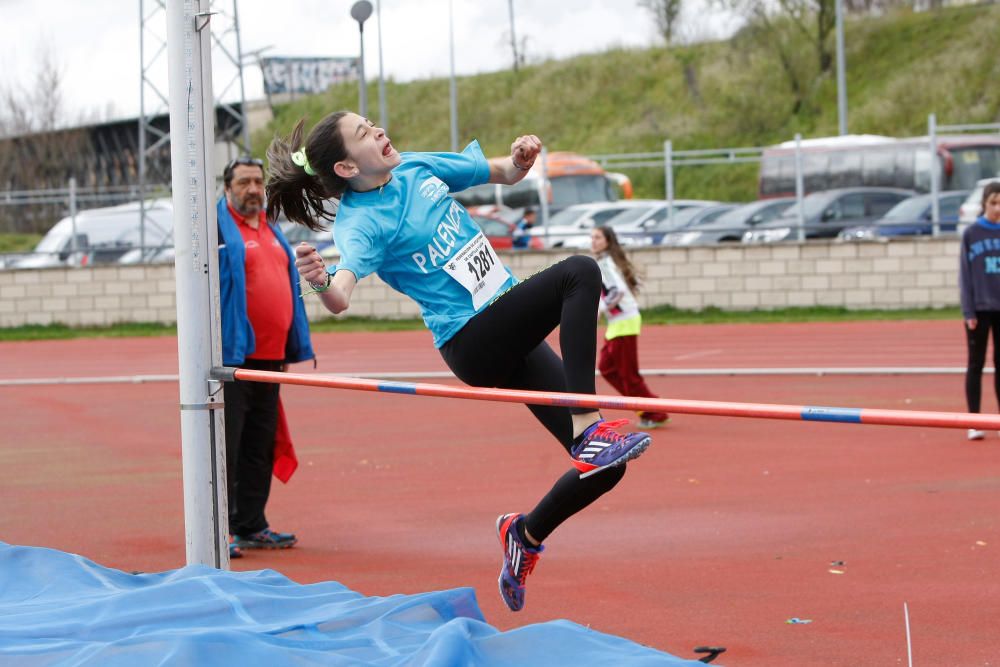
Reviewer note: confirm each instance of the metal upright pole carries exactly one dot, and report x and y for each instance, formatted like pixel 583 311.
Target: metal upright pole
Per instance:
pixel 935 176
pixel 841 67
pixel 360 12
pixel 363 90
pixel 452 88
pixel 197 276
pixel 244 121
pixel 543 192
pixel 668 166
pixel 383 113
pixel 799 187
pixel 513 37
pixel 72 214
pixel 142 132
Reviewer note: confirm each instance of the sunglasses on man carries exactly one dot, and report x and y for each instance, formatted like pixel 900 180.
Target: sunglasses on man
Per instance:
pixel 243 160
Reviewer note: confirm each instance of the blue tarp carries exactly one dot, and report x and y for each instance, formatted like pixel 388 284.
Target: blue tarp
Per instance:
pixel 61 609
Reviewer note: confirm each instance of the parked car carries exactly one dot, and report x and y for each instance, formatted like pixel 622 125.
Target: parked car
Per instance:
pixel 970 209
pixel 577 220
pixel 102 235
pixel 654 231
pixel 631 223
pixel 730 225
pixel 910 217
pixel 500 226
pixel 827 212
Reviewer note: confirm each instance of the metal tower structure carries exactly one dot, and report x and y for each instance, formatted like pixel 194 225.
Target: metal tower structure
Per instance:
pixel 232 132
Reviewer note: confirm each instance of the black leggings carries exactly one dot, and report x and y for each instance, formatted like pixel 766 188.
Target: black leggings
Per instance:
pixel 504 346
pixel 978 338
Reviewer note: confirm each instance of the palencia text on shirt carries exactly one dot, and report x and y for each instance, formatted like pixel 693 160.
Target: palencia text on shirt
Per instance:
pixel 443 242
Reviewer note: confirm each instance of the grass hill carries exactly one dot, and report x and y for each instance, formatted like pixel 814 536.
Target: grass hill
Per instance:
pixel 901 67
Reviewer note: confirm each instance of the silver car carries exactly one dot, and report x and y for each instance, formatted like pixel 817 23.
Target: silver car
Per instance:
pixel 731 225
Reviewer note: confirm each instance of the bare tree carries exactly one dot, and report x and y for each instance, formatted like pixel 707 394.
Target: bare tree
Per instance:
pixel 666 15
pixel 785 27
pixel 37 151
pixel 815 20
pixel 513 35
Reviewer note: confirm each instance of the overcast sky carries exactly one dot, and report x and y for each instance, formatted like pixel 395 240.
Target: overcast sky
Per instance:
pixel 95 43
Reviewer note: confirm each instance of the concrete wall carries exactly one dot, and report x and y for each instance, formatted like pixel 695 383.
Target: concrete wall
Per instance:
pixel 908 273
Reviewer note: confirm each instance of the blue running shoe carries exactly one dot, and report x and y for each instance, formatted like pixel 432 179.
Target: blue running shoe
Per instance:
pixel 518 561
pixel 602 447
pixel 265 539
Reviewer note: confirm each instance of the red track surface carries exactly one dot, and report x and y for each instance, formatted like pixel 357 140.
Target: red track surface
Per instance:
pixel 724 529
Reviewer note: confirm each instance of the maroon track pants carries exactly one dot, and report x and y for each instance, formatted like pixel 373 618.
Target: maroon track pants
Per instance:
pixel 619 365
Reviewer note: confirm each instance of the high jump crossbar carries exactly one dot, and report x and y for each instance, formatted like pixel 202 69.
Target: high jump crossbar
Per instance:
pixel 597 401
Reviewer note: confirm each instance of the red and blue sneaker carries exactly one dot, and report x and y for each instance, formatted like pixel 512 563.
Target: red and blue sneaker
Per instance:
pixel 518 561
pixel 601 447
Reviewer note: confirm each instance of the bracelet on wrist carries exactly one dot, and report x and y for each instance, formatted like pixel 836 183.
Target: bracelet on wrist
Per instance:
pixel 322 287
pixel 517 166
pixel 319 287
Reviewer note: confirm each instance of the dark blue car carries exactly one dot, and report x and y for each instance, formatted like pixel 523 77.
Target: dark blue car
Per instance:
pixel 911 217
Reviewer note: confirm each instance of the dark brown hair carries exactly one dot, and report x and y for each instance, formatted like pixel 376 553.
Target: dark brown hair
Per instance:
pixel 990 189
pixel 246 161
pixel 290 189
pixel 620 258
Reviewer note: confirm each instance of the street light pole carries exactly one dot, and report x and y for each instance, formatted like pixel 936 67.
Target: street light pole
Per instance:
pixel 360 12
pixel 453 95
pixel 383 114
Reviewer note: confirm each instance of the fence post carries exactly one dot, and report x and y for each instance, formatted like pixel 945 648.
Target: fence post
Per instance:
pixel 543 193
pixel 935 176
pixel 668 165
pixel 799 187
pixel 72 214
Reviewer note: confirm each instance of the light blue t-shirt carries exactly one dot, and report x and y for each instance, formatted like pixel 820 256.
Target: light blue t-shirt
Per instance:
pixel 423 243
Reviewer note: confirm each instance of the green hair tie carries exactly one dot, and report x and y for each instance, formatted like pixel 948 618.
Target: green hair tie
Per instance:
pixel 299 158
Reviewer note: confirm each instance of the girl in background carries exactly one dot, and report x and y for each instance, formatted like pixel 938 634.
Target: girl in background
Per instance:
pixel 619 357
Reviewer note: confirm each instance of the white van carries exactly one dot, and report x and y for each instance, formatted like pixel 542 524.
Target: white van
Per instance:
pixel 103 235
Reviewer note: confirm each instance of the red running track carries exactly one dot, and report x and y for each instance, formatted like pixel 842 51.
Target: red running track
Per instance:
pixel 724 530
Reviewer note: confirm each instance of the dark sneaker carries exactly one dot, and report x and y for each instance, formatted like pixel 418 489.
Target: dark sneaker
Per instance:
pixel 265 539
pixel 602 447
pixel 518 561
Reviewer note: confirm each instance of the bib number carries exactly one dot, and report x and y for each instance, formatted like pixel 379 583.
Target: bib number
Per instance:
pixel 477 269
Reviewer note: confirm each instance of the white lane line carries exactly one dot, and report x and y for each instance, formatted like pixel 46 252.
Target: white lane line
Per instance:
pixel 696 355
pixel 677 372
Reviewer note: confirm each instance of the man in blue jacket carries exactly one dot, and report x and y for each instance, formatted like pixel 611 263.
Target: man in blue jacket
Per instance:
pixel 264 327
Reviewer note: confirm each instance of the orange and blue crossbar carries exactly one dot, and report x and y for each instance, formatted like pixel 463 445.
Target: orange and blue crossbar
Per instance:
pixel 597 401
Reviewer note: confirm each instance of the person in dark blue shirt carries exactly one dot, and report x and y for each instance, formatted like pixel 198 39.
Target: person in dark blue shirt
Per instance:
pixel 979 287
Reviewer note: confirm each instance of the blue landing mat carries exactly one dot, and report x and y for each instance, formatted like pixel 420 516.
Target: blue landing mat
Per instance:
pixel 61 609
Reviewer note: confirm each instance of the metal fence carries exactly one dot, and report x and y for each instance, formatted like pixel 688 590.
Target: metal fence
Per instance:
pixel 53 204
pixel 669 160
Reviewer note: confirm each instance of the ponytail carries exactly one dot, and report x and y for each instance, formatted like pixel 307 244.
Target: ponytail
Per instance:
pixel 290 185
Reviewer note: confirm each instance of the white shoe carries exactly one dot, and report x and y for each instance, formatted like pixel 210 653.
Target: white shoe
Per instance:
pixel 975 434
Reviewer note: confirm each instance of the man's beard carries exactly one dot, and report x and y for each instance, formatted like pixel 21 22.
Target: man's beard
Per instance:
pixel 249 208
